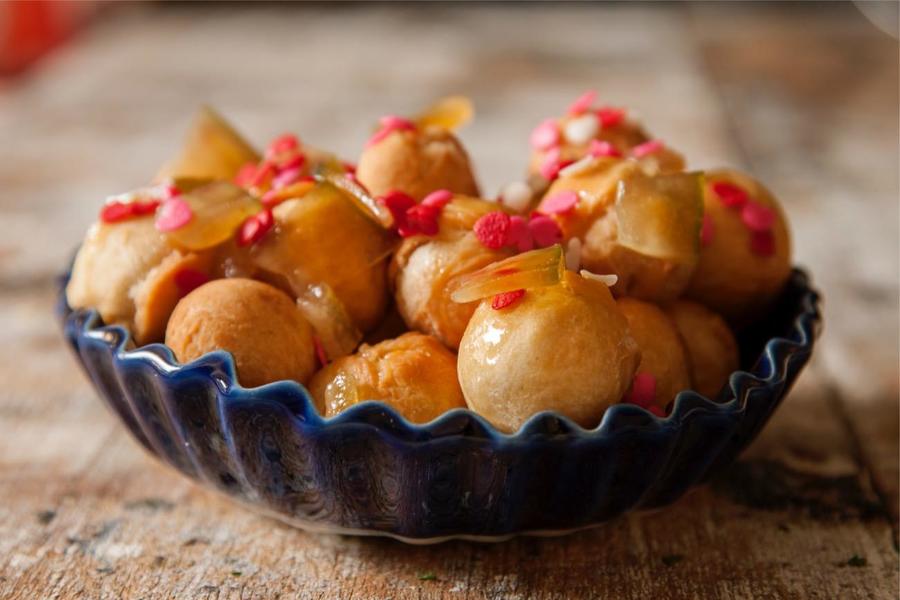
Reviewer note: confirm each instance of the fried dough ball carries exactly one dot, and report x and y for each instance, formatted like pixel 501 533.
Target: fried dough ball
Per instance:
pixel 663 354
pixel 328 239
pixel 712 350
pixel 127 271
pixel 426 270
pixel 417 162
pixel 257 323
pixel 745 254
pixel 413 373
pixel 594 222
pixel 564 348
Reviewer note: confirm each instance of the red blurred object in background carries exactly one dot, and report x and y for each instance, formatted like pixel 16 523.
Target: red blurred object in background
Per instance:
pixel 30 28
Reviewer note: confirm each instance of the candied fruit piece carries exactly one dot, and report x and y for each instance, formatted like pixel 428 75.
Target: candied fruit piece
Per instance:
pixel 449 113
pixel 529 270
pixel 218 210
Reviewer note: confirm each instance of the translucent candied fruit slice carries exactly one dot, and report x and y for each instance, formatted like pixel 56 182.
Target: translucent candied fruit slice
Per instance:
pixel 334 173
pixel 218 209
pixel 449 113
pixel 529 270
pixel 661 216
pixel 212 149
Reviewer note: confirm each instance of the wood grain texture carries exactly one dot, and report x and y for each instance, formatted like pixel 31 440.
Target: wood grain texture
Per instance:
pixel 804 96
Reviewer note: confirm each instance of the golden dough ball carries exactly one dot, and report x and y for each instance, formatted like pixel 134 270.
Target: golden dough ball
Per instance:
pixel 417 163
pixel 257 323
pixel 329 240
pixel 711 348
pixel 663 354
pixel 563 348
pixel 413 373
pixel 113 260
pixel 645 277
pixel 743 265
pixel 425 271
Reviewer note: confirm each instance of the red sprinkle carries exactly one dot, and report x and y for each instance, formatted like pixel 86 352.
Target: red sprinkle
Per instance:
pixel 320 351
pixel 390 124
pixel 643 390
pixel 762 243
pixel 286 142
pixel 582 104
pixel 600 149
pixel 545 231
pixel 115 212
pixel 438 198
pixel 647 148
pixel 187 280
pixel 397 203
pixel 492 229
pixel 519 234
pixel 707 230
pixel 286 178
pixel 255 228
pixel 757 217
pixel 506 299
pixel 610 117
pixel 295 161
pixel 545 135
pixel 173 214
pixel 729 194
pixel 245 175
pixel 349 167
pixel 422 219
pixel 265 170
pixel 558 204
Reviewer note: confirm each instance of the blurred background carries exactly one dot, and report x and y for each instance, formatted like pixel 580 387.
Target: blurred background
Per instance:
pixel 95 96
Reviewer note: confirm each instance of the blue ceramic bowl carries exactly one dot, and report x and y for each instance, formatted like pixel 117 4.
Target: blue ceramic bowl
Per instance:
pixel 369 471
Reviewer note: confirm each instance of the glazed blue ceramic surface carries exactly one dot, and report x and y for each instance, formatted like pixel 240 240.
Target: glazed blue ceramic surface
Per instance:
pixel 369 471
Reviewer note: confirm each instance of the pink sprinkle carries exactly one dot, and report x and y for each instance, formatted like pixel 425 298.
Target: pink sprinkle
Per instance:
pixel 283 143
pixel 294 162
pixel 286 178
pixel 504 299
pixel 545 231
pixel 545 135
pixel 647 148
pixel 610 117
pixel 390 124
pixel 264 170
pixel 583 103
pixel 174 214
pixel 558 204
pixel 729 194
pixel 762 243
pixel 245 175
pixel 519 235
pixel 757 217
pixel 551 164
pixel 438 198
pixel 600 149
pixel 707 230
pixel 170 191
pixel 492 229
pixel 643 390
pixel 423 219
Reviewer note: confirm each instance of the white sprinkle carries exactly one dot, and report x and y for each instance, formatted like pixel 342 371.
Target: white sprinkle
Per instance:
pixel 582 164
pixel 609 280
pixel 573 254
pixel 581 130
pixel 516 195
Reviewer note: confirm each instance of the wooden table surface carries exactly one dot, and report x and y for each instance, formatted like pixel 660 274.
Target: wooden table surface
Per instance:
pixel 804 96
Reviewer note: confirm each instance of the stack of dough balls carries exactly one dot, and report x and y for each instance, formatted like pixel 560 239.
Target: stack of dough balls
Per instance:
pixel 609 274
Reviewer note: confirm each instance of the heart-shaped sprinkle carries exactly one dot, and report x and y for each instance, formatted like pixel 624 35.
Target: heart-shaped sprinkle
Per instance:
pixel 558 204
pixel 643 390
pixel 255 228
pixel 583 103
pixel 602 149
pixel 505 299
pixel 647 148
pixel 174 214
pixel 519 236
pixel 397 204
pixel 707 230
pixel 245 175
pixel 187 280
pixel 492 229
pixel 286 142
pixel 438 198
pixel 550 166
pixel 423 219
pixel 757 217
pixel 729 194
pixel 545 135
pixel 545 231
pixel 389 124
pixel 610 117
pixel 115 211
pixel 286 178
